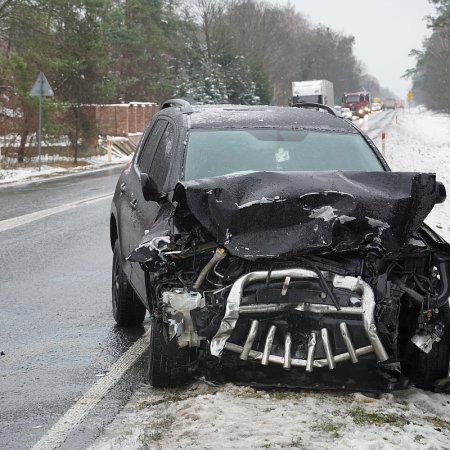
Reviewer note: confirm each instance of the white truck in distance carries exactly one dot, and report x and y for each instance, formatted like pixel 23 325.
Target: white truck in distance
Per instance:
pixel 314 91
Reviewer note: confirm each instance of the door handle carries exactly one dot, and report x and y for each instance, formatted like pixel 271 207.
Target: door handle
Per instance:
pixel 123 187
pixel 133 203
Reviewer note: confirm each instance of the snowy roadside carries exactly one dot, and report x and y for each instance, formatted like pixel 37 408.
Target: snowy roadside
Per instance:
pixel 32 173
pixel 420 142
pixel 206 417
pixel 121 149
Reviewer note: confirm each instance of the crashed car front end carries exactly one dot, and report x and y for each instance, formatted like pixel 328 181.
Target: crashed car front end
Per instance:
pixel 300 271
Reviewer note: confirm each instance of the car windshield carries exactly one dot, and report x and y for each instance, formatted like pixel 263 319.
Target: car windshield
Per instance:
pixel 213 153
pixel 353 98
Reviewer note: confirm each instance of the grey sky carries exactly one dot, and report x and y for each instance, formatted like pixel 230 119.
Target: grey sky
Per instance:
pixel 385 32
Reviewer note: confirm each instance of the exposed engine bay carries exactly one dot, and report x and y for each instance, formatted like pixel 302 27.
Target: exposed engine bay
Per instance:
pixel 302 271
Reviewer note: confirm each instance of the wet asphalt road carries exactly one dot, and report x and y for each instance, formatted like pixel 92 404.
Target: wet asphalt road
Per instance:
pixel 56 326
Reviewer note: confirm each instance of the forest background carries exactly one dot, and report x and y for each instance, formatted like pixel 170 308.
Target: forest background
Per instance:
pixel 211 51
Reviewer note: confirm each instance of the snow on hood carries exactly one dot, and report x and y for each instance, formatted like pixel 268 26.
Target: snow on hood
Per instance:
pixel 277 214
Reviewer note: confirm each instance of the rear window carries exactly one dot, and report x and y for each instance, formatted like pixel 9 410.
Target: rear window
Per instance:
pixel 219 152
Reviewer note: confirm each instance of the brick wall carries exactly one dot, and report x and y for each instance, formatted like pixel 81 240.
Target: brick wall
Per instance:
pixel 122 119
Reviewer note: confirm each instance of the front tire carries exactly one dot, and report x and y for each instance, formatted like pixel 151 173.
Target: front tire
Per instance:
pixel 127 309
pixel 168 364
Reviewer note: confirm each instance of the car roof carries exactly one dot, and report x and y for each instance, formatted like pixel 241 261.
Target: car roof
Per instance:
pixel 246 116
pixel 242 116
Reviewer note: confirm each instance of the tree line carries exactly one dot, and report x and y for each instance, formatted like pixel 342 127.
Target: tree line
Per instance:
pixel 213 51
pixel 431 74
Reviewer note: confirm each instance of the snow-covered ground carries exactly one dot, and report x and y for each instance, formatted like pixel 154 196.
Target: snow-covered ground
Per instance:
pixel 420 141
pixel 206 417
pixel 57 166
pixel 233 417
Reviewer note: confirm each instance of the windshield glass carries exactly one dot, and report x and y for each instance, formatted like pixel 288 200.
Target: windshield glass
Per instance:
pixel 212 153
pixel 352 98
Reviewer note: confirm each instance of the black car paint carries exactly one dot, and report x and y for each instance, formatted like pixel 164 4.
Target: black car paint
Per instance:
pixel 274 214
pixel 134 215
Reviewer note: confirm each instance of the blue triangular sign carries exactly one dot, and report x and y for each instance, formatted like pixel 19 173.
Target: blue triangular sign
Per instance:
pixel 41 87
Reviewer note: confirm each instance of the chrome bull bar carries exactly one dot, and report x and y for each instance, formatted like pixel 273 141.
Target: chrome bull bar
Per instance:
pixel 234 310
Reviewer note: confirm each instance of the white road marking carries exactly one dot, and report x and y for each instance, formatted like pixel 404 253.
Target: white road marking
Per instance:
pixel 14 222
pixel 59 432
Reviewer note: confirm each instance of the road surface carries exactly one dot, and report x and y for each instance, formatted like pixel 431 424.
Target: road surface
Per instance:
pixel 57 336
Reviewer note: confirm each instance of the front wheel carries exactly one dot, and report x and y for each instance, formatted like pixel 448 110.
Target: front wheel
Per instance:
pixel 168 364
pixel 127 309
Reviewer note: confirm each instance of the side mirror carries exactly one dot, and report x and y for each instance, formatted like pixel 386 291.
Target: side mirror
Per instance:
pixel 150 190
pixel 441 192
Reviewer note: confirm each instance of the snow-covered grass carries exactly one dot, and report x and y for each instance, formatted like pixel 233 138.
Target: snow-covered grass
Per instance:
pixel 204 417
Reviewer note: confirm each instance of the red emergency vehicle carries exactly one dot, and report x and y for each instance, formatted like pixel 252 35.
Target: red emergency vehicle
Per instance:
pixel 358 102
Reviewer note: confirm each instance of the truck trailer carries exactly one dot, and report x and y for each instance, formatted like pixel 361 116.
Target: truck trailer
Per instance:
pixel 313 91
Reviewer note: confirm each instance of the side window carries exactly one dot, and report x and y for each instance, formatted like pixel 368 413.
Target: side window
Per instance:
pixel 148 150
pixel 160 167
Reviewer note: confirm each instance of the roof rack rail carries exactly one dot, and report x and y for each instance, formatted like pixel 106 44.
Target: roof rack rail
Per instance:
pixel 315 105
pixel 184 105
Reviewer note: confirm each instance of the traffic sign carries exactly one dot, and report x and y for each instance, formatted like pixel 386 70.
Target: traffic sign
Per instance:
pixel 410 96
pixel 41 87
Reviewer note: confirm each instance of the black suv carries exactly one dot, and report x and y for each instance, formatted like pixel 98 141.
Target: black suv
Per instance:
pixel 278 241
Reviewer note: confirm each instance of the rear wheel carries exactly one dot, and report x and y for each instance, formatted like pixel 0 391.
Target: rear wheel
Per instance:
pixel 127 309
pixel 168 363
pixel 425 368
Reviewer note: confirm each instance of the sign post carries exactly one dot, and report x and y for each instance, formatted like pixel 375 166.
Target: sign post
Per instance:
pixel 41 88
pixel 109 147
pixel 410 99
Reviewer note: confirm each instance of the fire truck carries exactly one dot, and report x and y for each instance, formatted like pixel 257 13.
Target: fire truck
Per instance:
pixel 358 102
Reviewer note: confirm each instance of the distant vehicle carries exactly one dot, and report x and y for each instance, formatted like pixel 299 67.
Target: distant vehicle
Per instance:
pixel 358 102
pixel 338 110
pixel 346 113
pixel 376 104
pixel 390 103
pixel 313 91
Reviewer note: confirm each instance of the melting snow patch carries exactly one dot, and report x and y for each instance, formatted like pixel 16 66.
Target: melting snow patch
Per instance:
pixel 325 212
pixel 202 416
pixel 374 223
pixel 261 201
pixel 344 219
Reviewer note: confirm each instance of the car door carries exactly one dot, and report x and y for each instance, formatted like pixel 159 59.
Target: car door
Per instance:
pixel 145 212
pixel 130 189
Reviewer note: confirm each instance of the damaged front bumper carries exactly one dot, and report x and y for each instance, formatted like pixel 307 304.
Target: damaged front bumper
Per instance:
pixel 234 310
pixel 352 284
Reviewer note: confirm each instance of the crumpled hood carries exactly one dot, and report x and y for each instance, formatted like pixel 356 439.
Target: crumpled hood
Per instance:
pixel 277 214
